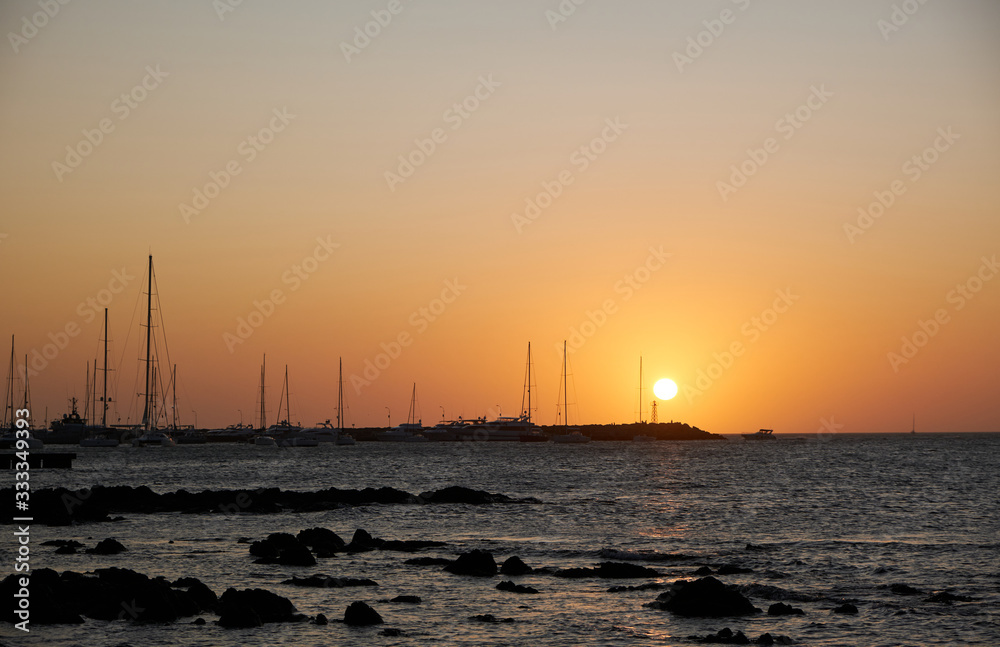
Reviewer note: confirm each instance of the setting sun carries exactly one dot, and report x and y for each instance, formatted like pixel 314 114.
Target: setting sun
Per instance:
pixel 665 389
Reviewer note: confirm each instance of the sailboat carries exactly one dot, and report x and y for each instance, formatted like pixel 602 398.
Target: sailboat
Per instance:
pixel 529 433
pixel 343 438
pixel 284 432
pixel 10 428
pixel 405 432
pixel 98 436
pixel 568 435
pixel 914 429
pixel 151 437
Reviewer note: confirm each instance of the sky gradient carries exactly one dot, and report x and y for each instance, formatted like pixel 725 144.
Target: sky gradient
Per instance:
pixel 768 217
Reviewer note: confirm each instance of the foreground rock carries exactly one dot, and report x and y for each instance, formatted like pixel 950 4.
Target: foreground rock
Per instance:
pixel 322 542
pixel 704 598
pixel 514 566
pixel 510 587
pixel 847 608
pixel 490 618
pixel 109 594
pixel 782 609
pixel 282 548
pixel 479 563
pixel 254 607
pixel 359 614
pixel 728 637
pixel 107 547
pixel 62 507
pixel 609 570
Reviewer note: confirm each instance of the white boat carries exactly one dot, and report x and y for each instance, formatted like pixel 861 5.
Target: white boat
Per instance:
pixel 763 434
pixel 407 431
pixel 571 437
pixel 345 439
pixel 324 432
pixel 154 438
pixel 264 441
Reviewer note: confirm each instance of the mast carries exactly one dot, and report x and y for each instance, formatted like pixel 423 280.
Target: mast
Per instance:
pixel 104 396
pixel 263 406
pixel 27 396
pixel 9 395
pixel 86 394
pixel 565 390
pixel 640 389
pixel 288 408
pixel 526 413
pixel 173 380
pixel 340 397
pixel 149 335
pixel 412 415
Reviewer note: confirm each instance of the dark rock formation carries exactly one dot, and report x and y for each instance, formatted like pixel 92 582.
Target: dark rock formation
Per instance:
pixel 723 637
pixel 649 586
pixel 514 566
pixel 609 570
pixel 847 607
pixel 46 595
pixel 782 609
pixel 325 581
pixel 479 563
pixel 458 494
pixel 253 607
pixel 406 599
pixel 704 570
pixel 282 548
pixel 391 632
pixel 510 587
pixel 706 597
pixel 321 619
pixel 359 614
pixel 946 597
pixel 904 589
pixel 107 547
pixel 62 542
pixel 362 541
pixel 322 542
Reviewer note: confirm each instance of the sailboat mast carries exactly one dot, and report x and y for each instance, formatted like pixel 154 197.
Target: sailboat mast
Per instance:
pixel 529 382
pixel 288 407
pixel 27 396
pixel 149 335
pixel 104 396
pixel 173 380
pixel 340 397
pixel 263 406
pixel 565 390
pixel 86 395
pixel 9 404
pixel 640 389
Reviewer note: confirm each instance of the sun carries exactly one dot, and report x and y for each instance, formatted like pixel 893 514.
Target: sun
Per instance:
pixel 665 389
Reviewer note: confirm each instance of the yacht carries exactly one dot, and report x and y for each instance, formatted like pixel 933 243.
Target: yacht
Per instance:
pixel 763 434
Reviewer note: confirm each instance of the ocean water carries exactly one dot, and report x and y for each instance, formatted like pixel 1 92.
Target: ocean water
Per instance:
pixel 839 518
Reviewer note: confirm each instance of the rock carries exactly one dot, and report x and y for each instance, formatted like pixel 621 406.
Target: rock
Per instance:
pixel 325 581
pixel 489 617
pixel 429 561
pixel 321 619
pixel 363 541
pixel 282 548
pixel 649 586
pixel 198 621
pixel 406 599
pixel 392 633
pixel 609 570
pixel 732 569
pixel 62 542
pixel 945 597
pixel 754 547
pixel 49 600
pixel 243 540
pixel 706 598
pixel 199 592
pixel 723 637
pixel 244 608
pixel 782 609
pixel 479 563
pixel 359 614
pixel 323 542
pixel 410 545
pixel 904 589
pixel 704 570
pixel 66 550
pixel 458 494
pixel 107 547
pixel 509 586
pixel 514 566
pixel 846 608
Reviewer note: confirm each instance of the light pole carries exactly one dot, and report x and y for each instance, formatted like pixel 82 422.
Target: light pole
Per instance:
pixel 442 412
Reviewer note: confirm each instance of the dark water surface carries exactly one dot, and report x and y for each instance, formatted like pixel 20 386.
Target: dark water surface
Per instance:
pixel 835 519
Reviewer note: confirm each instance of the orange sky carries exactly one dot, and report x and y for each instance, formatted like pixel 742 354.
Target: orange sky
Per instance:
pixel 565 174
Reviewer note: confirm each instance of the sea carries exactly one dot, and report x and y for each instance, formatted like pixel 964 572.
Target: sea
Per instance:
pixel 817 521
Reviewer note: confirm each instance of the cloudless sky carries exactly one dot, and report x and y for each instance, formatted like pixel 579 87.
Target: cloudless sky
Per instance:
pixel 873 94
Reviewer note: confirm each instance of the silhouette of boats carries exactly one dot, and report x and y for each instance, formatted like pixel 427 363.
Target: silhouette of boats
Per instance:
pixel 569 435
pixel 763 434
